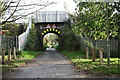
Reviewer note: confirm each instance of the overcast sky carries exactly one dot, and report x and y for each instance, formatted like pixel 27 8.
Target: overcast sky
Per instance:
pixel 70 5
pixel 59 6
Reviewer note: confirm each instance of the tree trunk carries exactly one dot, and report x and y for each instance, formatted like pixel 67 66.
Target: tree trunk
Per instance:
pixel 14 53
pixel 87 53
pixel 101 55
pixel 3 56
pixel 93 55
pixel 9 54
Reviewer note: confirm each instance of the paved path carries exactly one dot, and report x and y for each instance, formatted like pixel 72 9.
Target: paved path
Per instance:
pixel 49 65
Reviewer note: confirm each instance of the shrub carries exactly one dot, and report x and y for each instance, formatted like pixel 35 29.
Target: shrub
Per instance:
pixel 69 41
pixel 31 41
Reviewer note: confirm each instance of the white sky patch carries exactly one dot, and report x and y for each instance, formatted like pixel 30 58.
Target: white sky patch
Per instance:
pixel 59 6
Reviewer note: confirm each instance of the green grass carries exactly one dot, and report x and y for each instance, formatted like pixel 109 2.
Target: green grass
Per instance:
pixel 30 54
pixel 25 57
pixel 78 59
pixel 6 57
pixel 73 55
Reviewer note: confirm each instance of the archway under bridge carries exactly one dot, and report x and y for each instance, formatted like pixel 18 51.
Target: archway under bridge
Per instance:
pixel 51 41
pixel 42 32
pixel 51 36
pixel 48 22
pixel 50 29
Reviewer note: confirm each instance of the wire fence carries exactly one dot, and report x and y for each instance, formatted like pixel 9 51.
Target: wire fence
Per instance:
pixel 9 42
pixel 97 44
pixel 15 41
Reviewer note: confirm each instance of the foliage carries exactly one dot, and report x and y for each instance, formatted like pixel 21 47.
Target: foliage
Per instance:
pixel 12 29
pixel 96 67
pixel 73 55
pixel 78 59
pixel 91 20
pixel 22 28
pixel 55 46
pixel 89 44
pixel 30 54
pixel 50 40
pixel 69 41
pixel 31 41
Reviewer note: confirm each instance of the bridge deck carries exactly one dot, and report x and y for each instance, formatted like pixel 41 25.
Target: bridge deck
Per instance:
pixel 50 16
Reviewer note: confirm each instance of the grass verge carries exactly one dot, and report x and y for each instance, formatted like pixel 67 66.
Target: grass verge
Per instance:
pixel 23 58
pixel 86 65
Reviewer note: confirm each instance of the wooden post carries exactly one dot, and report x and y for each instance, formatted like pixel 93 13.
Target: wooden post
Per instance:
pixel 87 53
pixel 9 54
pixel 3 56
pixel 101 55
pixel 93 55
pixel 14 53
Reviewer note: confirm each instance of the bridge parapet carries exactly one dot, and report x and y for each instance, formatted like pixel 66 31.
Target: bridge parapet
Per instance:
pixel 50 16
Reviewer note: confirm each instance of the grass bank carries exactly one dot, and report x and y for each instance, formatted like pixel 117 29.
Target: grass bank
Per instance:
pixel 86 65
pixel 23 58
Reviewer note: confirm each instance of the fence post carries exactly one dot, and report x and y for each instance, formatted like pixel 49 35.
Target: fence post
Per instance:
pixel 101 55
pixel 9 54
pixel 87 53
pixel 16 41
pixel 93 55
pixel 3 56
pixel 14 53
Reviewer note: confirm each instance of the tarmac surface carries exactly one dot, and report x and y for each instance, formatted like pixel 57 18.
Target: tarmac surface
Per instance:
pixel 51 64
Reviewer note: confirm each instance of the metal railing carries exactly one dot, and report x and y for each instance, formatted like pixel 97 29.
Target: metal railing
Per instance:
pixel 50 16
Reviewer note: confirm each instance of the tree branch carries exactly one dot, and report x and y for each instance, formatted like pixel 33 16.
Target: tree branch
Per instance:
pixel 29 13
pixel 11 14
pixel 5 8
pixel 36 4
pixel 24 9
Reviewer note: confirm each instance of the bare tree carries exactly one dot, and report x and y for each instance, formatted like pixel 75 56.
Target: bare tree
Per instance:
pixel 11 10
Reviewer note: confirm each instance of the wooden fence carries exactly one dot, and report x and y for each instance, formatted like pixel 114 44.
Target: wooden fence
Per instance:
pixel 97 44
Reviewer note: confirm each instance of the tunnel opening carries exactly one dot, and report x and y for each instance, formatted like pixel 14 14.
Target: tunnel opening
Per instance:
pixel 50 41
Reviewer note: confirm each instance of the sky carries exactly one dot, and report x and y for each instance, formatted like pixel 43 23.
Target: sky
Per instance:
pixel 59 6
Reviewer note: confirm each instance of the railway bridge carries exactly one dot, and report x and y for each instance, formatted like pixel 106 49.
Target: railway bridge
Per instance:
pixel 48 22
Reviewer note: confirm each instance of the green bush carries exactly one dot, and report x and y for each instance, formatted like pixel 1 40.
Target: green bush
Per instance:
pixel 69 41
pixel 30 54
pixel 31 41
pixel 89 44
